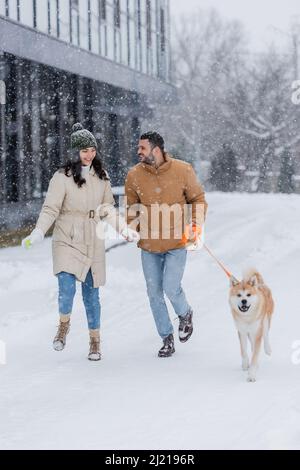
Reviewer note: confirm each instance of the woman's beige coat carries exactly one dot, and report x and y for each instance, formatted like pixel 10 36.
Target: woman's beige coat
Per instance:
pixel 76 213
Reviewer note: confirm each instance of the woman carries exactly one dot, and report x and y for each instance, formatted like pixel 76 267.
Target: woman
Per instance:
pixel 79 197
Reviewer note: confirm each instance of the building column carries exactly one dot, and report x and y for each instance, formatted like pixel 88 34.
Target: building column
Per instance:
pixel 3 181
pixel 98 117
pixel 103 125
pixel 114 150
pixel 63 119
pixel 80 99
pixel 53 157
pixel 20 134
pixel 28 131
pixel 3 188
pixel 135 133
pixel 36 131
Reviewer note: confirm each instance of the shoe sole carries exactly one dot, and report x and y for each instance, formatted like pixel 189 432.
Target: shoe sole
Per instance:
pixel 94 360
pixel 184 340
pixel 166 355
pixel 58 347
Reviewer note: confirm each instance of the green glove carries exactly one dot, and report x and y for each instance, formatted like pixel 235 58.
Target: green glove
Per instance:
pixel 27 244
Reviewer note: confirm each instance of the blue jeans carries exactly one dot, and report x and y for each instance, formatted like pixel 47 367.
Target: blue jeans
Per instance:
pixel 90 296
pixel 163 274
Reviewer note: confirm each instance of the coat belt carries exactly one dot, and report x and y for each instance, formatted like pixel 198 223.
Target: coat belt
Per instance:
pixel 91 214
pixel 90 220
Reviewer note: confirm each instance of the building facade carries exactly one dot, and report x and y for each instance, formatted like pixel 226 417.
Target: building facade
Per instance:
pixel 105 63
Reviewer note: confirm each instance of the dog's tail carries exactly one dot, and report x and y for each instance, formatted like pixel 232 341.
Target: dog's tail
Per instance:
pixel 252 276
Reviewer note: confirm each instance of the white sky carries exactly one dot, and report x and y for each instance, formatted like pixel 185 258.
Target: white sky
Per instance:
pixel 258 15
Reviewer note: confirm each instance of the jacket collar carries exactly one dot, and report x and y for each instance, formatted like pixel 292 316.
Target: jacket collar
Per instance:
pixel 162 169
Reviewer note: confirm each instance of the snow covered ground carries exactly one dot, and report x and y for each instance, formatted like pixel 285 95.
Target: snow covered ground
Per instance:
pixel 199 398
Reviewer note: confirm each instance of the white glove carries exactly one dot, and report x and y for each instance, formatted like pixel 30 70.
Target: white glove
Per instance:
pixel 35 237
pixel 130 235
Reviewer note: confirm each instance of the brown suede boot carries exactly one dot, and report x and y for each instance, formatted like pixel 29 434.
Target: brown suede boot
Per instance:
pixel 59 341
pixel 94 354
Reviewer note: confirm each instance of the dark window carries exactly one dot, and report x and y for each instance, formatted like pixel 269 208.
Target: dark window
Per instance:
pixel 74 5
pixel 49 17
pixel 139 20
pixel 128 34
pixel 53 22
pixel 148 21
pixel 117 14
pixel 58 18
pixel 162 30
pixel 6 7
pixel 18 10
pixel 34 14
pixel 103 9
pixel 89 25
pixel 102 27
pixel 74 22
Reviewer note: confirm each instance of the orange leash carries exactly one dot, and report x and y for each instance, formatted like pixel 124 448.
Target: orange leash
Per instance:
pixel 197 230
pixel 228 273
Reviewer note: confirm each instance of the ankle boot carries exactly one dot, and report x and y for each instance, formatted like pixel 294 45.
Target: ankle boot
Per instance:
pixel 59 341
pixel 94 354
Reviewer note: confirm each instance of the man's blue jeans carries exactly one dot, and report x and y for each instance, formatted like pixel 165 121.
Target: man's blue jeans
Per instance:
pixel 163 274
pixel 90 296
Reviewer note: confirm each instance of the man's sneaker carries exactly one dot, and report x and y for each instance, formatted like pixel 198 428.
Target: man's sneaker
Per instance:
pixel 59 341
pixel 185 327
pixel 168 347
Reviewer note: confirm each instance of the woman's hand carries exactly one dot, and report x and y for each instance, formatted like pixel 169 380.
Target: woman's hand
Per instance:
pixel 35 237
pixel 130 235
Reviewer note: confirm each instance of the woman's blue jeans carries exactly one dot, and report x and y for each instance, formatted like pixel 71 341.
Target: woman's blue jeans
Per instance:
pixel 90 296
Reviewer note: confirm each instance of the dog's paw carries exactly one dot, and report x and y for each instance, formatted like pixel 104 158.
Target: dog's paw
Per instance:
pixel 245 364
pixel 251 378
pixel 252 374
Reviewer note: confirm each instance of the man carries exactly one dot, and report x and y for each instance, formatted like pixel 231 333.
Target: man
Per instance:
pixel 158 191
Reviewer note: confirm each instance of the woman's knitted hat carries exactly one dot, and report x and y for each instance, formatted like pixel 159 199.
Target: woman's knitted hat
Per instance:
pixel 82 138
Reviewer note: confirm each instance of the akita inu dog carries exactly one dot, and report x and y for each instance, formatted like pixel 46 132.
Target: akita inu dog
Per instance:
pixel 252 307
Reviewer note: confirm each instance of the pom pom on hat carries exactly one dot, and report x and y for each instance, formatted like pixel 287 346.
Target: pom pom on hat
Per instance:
pixel 77 127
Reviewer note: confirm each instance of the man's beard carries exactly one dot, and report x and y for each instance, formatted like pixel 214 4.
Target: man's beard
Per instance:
pixel 150 160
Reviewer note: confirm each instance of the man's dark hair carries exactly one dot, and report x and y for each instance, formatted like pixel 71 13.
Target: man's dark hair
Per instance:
pixel 155 140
